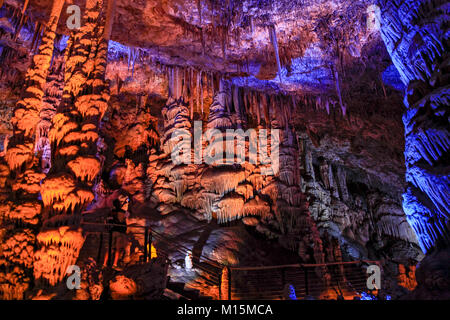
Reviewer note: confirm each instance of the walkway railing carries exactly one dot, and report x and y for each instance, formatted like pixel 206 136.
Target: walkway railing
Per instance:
pixel 236 283
pixel 307 280
pixel 164 246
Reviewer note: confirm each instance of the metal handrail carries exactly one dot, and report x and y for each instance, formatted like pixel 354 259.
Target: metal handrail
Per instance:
pixel 178 247
pixel 249 268
pixel 303 265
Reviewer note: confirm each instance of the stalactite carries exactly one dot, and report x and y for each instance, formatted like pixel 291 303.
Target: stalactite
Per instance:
pixel 60 249
pixel 339 93
pixel 342 183
pixel 265 106
pixel 201 91
pixel 257 104
pixel 224 35
pixel 37 30
pixel 185 92
pixel 191 93
pixel 197 90
pixel 202 36
pixel 221 180
pixel 274 41
pixel 23 20
pixel 244 99
pixel 179 84
pixel 133 55
pixel 230 208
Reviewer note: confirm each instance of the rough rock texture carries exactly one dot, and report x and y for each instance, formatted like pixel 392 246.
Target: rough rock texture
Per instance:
pixel 67 189
pixel 432 278
pixel 351 196
pixel 315 70
pixel 22 209
pixel 235 36
pixel 424 69
pixel 416 36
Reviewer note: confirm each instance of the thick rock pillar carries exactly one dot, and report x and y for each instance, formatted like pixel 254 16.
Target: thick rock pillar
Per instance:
pixel 21 211
pixel 416 36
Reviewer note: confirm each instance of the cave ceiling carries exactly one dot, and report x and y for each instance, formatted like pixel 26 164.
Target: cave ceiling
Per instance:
pixel 233 37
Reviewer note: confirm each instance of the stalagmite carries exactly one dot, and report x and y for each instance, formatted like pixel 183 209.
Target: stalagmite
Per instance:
pixel 201 91
pixel 134 142
pixel 230 208
pixel 419 53
pixel 176 116
pixel 27 110
pixel 21 160
pixel 236 103
pixel 23 19
pixel 67 190
pixel 291 209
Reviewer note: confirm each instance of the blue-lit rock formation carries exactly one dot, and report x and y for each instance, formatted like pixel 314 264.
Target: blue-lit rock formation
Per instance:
pixel 416 35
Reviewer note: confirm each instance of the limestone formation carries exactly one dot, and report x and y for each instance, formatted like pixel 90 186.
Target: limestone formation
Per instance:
pixel 189 149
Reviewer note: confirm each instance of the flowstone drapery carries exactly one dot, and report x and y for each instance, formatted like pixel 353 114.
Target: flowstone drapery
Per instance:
pixel 229 190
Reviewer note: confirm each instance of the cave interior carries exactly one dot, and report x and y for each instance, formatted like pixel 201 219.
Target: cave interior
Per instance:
pixel 224 149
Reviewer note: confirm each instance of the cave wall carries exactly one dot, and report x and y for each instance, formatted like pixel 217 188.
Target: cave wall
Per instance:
pixel 334 177
pixel 416 36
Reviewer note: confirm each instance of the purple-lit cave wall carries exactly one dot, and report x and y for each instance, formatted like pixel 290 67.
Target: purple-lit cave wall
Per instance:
pixel 416 36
